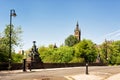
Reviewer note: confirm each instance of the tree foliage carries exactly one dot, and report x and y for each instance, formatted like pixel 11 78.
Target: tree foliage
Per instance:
pixel 110 52
pixel 87 50
pixel 17 58
pixel 56 55
pixel 4 41
pixel 84 51
pixel 66 54
pixel 71 40
pixel 15 35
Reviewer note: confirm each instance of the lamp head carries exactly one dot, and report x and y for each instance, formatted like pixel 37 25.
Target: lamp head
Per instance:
pixel 13 13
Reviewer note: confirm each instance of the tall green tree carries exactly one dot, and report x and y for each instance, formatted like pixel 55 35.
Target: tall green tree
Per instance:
pixel 114 55
pixel 71 40
pixel 110 52
pixel 106 49
pixel 87 50
pixel 15 35
pixel 4 41
pixel 63 54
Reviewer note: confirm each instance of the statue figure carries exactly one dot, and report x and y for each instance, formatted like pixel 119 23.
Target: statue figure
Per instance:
pixel 34 60
pixel 34 53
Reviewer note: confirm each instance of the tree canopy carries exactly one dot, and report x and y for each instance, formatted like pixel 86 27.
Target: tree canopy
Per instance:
pixel 110 52
pixel 71 40
pixel 87 50
pixel 4 41
pixel 81 52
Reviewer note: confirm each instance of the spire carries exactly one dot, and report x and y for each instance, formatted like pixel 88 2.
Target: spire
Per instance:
pixel 55 45
pixel 77 26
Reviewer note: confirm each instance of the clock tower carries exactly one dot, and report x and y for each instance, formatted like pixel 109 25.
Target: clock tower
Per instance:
pixel 77 32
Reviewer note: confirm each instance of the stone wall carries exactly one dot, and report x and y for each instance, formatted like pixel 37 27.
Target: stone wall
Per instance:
pixel 17 66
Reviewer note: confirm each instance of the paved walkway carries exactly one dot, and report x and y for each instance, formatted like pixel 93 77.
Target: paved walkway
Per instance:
pixel 76 77
pixel 83 77
pixel 92 77
pixel 114 77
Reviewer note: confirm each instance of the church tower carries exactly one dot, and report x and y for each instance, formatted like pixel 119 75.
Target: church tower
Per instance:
pixel 77 32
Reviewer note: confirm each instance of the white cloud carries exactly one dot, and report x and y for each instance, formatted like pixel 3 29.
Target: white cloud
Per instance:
pixel 113 34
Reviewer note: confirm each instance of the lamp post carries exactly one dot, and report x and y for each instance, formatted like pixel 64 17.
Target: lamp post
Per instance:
pixel 12 13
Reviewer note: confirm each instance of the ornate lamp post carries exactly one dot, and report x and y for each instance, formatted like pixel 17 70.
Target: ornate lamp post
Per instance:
pixel 12 13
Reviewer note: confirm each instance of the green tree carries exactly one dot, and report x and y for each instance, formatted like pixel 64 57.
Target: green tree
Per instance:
pixel 71 40
pixel 63 54
pixel 105 49
pixel 46 54
pixel 17 58
pixel 3 52
pixel 114 55
pixel 15 35
pixel 83 51
pixel 110 52
pixel 87 50
pixel 4 41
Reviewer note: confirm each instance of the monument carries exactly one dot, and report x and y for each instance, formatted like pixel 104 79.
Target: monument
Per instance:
pixel 33 61
pixel 35 56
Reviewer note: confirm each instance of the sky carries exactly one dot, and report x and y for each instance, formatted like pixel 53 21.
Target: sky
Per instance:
pixel 52 21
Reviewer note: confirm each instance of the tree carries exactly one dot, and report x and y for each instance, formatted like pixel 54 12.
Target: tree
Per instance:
pixel 63 54
pixel 4 41
pixel 16 37
pixel 3 52
pixel 71 40
pixel 110 52
pixel 87 50
pixel 45 54
pixel 17 57
pixel 114 54
pixel 105 49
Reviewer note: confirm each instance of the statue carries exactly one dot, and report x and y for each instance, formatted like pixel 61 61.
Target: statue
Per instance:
pixel 34 60
pixel 34 54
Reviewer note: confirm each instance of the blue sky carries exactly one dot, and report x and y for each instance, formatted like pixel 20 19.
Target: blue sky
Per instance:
pixel 51 21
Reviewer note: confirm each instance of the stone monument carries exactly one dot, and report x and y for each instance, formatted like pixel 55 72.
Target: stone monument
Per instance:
pixel 34 61
pixel 35 56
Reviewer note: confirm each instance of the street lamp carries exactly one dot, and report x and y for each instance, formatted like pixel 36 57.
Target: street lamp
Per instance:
pixel 12 13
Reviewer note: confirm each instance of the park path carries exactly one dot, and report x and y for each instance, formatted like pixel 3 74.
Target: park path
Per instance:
pixel 92 77
pixel 69 73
